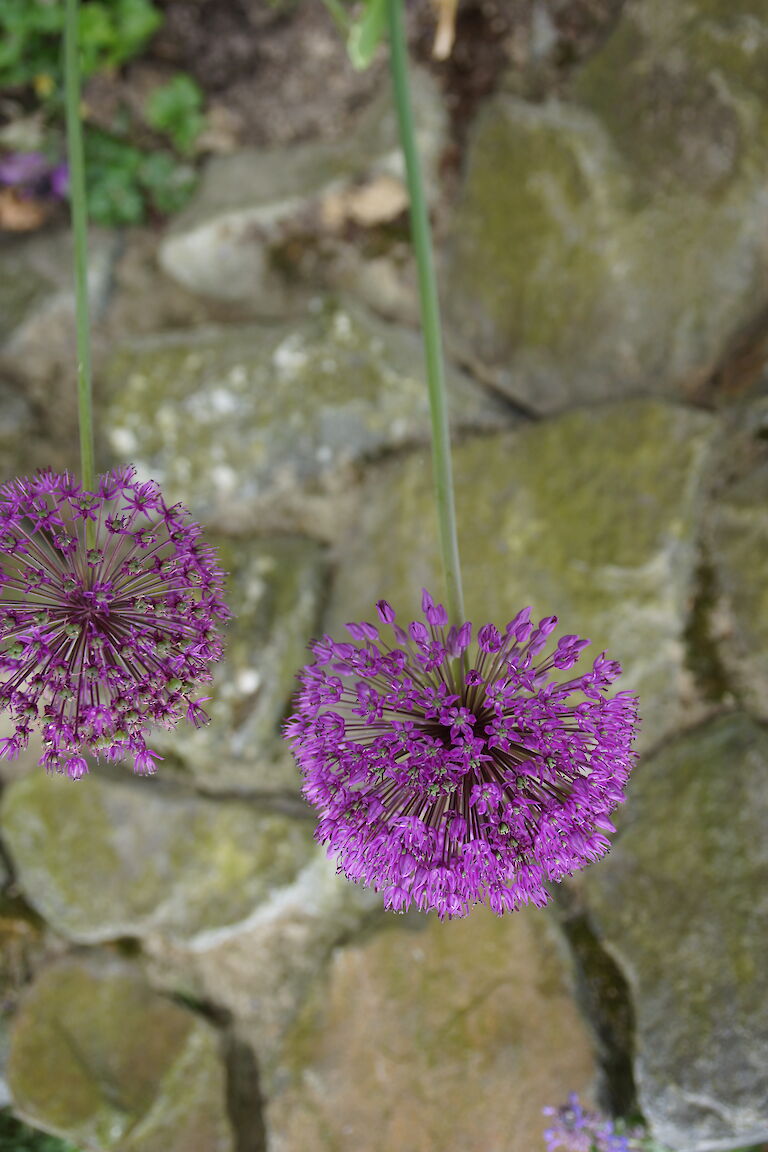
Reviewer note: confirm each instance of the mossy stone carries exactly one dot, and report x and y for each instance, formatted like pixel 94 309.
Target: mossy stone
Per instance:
pixel 100 1059
pixel 104 858
pixel 737 545
pixel 595 233
pixel 680 905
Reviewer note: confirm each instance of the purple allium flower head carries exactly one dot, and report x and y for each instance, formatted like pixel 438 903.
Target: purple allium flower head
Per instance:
pixel 109 602
pixel 445 777
pixel 575 1130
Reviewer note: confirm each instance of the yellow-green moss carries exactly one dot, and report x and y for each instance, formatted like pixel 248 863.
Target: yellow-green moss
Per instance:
pixel 103 859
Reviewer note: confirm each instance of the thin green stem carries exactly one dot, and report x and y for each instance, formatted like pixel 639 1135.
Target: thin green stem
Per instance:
pixel 430 316
pixel 76 160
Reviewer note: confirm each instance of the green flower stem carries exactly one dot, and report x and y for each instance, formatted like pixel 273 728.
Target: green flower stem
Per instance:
pixel 76 161
pixel 430 316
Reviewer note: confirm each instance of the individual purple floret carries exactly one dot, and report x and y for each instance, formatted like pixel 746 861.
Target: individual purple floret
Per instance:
pixel 446 773
pixel 575 1130
pixel 109 603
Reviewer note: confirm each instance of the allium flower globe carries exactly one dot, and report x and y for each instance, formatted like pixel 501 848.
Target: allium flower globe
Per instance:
pixel 446 773
pixel 109 602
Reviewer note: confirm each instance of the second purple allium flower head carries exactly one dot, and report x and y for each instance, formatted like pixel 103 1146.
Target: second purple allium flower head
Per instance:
pixel 109 603
pixel 447 773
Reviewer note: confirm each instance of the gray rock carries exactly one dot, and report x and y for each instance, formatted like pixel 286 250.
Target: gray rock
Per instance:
pixel 287 941
pixel 121 858
pixel 737 539
pixel 612 242
pixel 274 590
pixel 100 1059
pixel 591 516
pixel 252 204
pixel 37 342
pixel 681 905
pixel 241 424
pixel 37 293
pixel 21 285
pixel 421 1037
pixel 17 426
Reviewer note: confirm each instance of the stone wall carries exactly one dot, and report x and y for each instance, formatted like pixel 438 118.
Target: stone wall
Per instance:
pixel 182 969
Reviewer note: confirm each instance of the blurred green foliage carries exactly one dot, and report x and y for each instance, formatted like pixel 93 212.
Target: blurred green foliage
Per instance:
pixel 140 165
pixel 17 1137
pixel 124 182
pixel 175 110
pixel 110 34
pixel 363 31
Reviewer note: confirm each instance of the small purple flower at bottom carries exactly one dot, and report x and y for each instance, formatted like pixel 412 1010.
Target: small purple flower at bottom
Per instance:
pixel 575 1130
pixel 447 774
pixel 109 603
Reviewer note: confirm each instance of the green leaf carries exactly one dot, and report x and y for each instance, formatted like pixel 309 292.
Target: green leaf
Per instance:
pixel 365 34
pixel 175 110
pixel 167 184
pixel 111 177
pixel 97 36
pixel 137 20
pixel 111 32
pixel 115 199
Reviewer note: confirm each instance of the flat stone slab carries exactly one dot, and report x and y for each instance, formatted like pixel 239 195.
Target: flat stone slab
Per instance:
pixel 101 859
pixel 592 516
pixel 680 903
pixel 433 1035
pixel 101 1060
pixel 242 424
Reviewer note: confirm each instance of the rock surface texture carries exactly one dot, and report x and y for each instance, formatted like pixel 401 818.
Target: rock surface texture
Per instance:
pixel 275 586
pixel 117 859
pixel 611 241
pixel 737 540
pixel 100 1059
pixel 461 1033
pixel 682 908
pixel 262 215
pixel 246 422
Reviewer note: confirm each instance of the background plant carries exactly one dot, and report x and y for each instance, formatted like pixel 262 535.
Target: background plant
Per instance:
pixel 139 163
pixel 17 1137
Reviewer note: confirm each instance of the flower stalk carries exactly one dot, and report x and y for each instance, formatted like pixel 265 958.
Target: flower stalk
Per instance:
pixel 430 316
pixel 75 156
